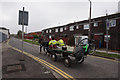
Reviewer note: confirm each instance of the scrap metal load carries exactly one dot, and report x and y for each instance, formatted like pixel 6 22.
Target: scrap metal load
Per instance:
pixel 66 48
pixel 79 52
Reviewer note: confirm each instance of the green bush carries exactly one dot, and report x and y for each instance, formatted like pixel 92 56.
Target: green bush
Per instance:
pixel 35 36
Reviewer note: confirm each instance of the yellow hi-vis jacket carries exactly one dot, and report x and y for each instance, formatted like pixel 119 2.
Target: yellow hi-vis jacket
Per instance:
pixel 52 42
pixel 61 42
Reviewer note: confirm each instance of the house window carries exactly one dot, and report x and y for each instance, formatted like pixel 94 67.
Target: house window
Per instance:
pixel 61 29
pixel 50 31
pixel 71 28
pixel 46 31
pixel 56 30
pixel 77 27
pixel 49 36
pixel 65 28
pixel 112 23
pixel 86 26
pixel 95 24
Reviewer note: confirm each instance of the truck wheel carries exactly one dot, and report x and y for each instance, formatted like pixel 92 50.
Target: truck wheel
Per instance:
pixel 67 62
pixel 54 57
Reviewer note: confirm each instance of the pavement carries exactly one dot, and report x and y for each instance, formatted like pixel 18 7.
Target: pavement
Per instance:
pixel 12 67
pixel 0 60
pixel 110 52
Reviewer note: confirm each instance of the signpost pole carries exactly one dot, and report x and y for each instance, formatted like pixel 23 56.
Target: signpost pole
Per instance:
pixel 23 20
pixel 22 33
pixel 107 41
pixel 107 28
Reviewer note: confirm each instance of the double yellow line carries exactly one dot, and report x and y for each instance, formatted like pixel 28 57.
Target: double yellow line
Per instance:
pixel 59 71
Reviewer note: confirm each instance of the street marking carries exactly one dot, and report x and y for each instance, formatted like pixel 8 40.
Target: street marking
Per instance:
pixel 105 59
pixel 52 68
pixel 57 68
pixel 8 41
pixel 62 73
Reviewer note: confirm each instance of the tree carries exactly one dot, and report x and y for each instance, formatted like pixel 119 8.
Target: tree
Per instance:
pixel 35 36
pixel 19 33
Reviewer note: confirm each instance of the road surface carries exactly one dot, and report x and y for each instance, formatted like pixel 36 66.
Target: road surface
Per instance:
pixel 92 67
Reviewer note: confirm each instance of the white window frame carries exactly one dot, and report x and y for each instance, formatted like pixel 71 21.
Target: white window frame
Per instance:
pixel 56 30
pixel 95 24
pixel 46 31
pixel 65 28
pixel 50 36
pixel 86 26
pixel 71 28
pixel 112 23
pixel 61 29
pixel 50 31
pixel 77 26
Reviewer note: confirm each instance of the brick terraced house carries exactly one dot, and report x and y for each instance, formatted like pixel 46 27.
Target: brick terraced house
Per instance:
pixel 73 32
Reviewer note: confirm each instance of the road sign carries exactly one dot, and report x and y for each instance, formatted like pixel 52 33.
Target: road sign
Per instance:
pixel 21 14
pixel 23 20
pixel 106 37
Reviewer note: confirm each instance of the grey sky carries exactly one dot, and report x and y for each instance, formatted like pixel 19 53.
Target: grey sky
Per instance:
pixel 50 14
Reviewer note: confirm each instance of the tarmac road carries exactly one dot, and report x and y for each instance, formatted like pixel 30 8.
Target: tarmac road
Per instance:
pixel 92 67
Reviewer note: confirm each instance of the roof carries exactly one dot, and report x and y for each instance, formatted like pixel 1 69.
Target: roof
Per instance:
pixel 3 28
pixel 117 15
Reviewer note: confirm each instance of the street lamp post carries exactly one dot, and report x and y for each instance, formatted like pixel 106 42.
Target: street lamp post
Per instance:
pixel 89 34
